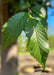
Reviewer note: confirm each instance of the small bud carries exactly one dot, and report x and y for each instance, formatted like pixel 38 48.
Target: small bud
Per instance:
pixel 30 16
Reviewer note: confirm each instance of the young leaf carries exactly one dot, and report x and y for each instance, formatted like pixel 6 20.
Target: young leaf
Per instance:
pixel 38 44
pixel 12 28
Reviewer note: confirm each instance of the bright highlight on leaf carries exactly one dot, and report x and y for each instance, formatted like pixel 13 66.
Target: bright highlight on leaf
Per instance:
pixel 39 10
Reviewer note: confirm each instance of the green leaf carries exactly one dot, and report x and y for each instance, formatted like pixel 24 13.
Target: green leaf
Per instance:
pixel 29 27
pixel 39 10
pixel 12 28
pixel 36 30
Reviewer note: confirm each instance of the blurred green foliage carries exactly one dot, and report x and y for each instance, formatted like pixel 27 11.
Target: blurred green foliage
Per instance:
pixel 51 42
pixel 22 42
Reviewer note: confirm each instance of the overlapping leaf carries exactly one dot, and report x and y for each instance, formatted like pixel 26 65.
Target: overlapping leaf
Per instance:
pixel 12 28
pixel 36 30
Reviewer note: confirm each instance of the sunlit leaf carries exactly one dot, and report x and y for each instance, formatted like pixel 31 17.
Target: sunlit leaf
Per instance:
pixel 36 30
